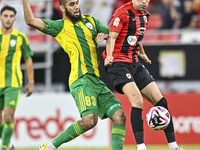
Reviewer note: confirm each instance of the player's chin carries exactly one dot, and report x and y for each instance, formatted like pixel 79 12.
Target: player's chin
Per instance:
pixel 8 27
pixel 142 8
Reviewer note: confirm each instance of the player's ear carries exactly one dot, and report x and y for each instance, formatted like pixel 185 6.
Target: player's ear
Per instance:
pixel 62 8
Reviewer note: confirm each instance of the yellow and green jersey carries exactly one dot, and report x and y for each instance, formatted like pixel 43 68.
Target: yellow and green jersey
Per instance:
pixel 79 40
pixel 12 47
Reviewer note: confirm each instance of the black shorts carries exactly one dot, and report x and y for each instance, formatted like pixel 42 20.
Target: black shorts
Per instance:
pixel 122 73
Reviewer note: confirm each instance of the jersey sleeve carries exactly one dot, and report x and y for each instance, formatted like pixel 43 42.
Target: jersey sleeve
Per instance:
pixel 148 16
pixel 100 26
pixel 117 22
pixel 53 27
pixel 26 51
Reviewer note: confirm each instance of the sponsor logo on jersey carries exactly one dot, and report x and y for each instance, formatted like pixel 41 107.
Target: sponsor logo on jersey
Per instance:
pixel 116 22
pixel 132 40
pixel 128 75
pixel 12 43
pixel 89 25
pixel 134 19
pixel 141 31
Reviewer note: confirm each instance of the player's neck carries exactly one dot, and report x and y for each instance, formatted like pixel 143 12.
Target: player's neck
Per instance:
pixel 65 17
pixel 6 31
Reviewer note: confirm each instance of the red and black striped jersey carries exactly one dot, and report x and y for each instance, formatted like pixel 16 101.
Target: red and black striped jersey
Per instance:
pixel 131 26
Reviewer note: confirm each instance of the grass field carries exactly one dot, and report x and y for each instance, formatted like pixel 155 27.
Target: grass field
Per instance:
pixel 126 148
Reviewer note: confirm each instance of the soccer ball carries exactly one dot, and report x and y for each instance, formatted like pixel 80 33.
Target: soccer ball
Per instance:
pixel 158 118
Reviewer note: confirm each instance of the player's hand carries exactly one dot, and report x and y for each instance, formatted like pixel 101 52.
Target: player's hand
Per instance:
pixel 101 37
pixel 29 89
pixel 108 61
pixel 145 58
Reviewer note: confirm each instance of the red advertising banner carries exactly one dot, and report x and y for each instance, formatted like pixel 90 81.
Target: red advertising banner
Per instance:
pixel 185 109
pixel 43 116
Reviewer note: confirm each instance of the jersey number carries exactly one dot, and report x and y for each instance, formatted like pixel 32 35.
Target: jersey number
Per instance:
pixel 90 101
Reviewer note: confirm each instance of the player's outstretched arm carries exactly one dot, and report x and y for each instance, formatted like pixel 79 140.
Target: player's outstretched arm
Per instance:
pixel 30 73
pixel 143 55
pixel 110 48
pixel 29 17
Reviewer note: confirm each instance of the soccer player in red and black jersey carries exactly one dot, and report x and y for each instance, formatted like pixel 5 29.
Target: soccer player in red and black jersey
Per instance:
pixel 127 29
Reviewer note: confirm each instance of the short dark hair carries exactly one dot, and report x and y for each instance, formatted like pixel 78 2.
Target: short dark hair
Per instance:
pixel 62 2
pixel 8 8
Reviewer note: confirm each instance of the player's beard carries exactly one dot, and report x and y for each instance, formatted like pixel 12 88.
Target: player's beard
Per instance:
pixel 71 17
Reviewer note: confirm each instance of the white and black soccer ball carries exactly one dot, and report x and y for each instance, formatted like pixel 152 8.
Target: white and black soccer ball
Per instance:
pixel 158 118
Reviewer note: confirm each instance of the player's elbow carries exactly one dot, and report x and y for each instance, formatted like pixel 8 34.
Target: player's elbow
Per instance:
pixel 29 21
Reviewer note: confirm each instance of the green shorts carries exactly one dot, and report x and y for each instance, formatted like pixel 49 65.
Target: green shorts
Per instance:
pixel 92 96
pixel 9 97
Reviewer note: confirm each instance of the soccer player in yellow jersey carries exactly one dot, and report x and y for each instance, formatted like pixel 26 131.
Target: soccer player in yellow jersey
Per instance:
pixel 13 45
pixel 78 35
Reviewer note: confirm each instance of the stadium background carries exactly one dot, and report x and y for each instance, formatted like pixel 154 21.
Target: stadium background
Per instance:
pixel 175 66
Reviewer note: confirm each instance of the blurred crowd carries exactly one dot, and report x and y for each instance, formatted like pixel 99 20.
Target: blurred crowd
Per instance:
pixel 168 14
pixel 180 14
pixel 165 14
